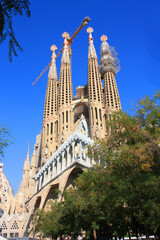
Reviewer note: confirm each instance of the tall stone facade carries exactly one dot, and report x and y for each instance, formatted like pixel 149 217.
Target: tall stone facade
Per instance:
pixel 70 124
pixel 13 216
pixel 6 193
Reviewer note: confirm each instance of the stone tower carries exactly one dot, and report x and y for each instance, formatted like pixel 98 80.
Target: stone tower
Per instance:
pixel 108 71
pixel 65 95
pixel 26 174
pixel 6 193
pixel 33 169
pixel 95 93
pixel 50 124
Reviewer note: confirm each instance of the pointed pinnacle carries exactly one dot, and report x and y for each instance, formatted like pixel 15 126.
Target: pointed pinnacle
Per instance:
pixel 90 30
pixel 53 49
pixel 104 38
pixel 28 151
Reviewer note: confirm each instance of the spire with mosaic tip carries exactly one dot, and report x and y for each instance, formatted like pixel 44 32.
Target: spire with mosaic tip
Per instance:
pixel 65 54
pixel 65 93
pixel 91 48
pixel 95 92
pixel 108 72
pixel 53 70
pixel 50 107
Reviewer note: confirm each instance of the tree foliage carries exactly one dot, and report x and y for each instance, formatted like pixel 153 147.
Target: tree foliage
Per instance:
pixel 8 10
pixel 4 139
pixel 47 223
pixel 120 195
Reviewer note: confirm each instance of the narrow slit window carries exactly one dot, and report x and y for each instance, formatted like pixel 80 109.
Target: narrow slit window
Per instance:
pixel 66 116
pixel 96 113
pixel 47 129
pixel 63 117
pixel 51 127
pixel 100 114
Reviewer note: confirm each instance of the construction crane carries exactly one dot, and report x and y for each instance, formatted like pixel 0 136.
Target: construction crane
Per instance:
pixel 70 40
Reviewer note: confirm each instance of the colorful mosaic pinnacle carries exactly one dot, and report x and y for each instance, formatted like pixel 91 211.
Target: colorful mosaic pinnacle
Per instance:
pixel 65 35
pixel 90 30
pixel 104 38
pixel 53 49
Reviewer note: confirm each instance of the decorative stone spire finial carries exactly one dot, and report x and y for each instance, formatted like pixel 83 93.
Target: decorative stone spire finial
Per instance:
pixel 105 44
pixel 90 30
pixel 53 49
pixel 104 38
pixel 65 35
pixel 65 55
pixel 91 49
pixel 53 70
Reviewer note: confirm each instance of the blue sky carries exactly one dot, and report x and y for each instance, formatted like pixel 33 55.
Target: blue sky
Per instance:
pixel 132 27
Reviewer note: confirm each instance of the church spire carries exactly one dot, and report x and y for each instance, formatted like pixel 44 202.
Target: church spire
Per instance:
pixel 108 71
pixel 28 152
pixel 95 93
pixel 26 171
pixel 50 106
pixel 65 94
pixel 32 173
pixel 33 159
pixel 49 136
pixel 94 77
pixel 27 162
pixel 65 82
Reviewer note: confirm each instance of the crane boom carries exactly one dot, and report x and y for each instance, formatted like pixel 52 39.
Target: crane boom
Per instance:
pixel 84 23
pixel 59 52
pixel 41 74
pixel 70 40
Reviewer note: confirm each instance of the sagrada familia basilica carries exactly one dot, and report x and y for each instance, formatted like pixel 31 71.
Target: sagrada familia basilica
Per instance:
pixel 70 124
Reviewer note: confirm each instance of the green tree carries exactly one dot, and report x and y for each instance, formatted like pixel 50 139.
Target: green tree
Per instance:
pixel 8 10
pixel 4 139
pixel 94 205
pixel 47 223
pixel 132 156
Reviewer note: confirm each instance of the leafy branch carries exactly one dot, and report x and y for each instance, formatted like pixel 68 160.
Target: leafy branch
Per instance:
pixel 4 139
pixel 9 9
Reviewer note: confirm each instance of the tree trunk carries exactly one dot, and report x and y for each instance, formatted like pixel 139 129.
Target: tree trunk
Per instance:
pixel 136 235
pixel 129 235
pixel 147 233
pixel 94 234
